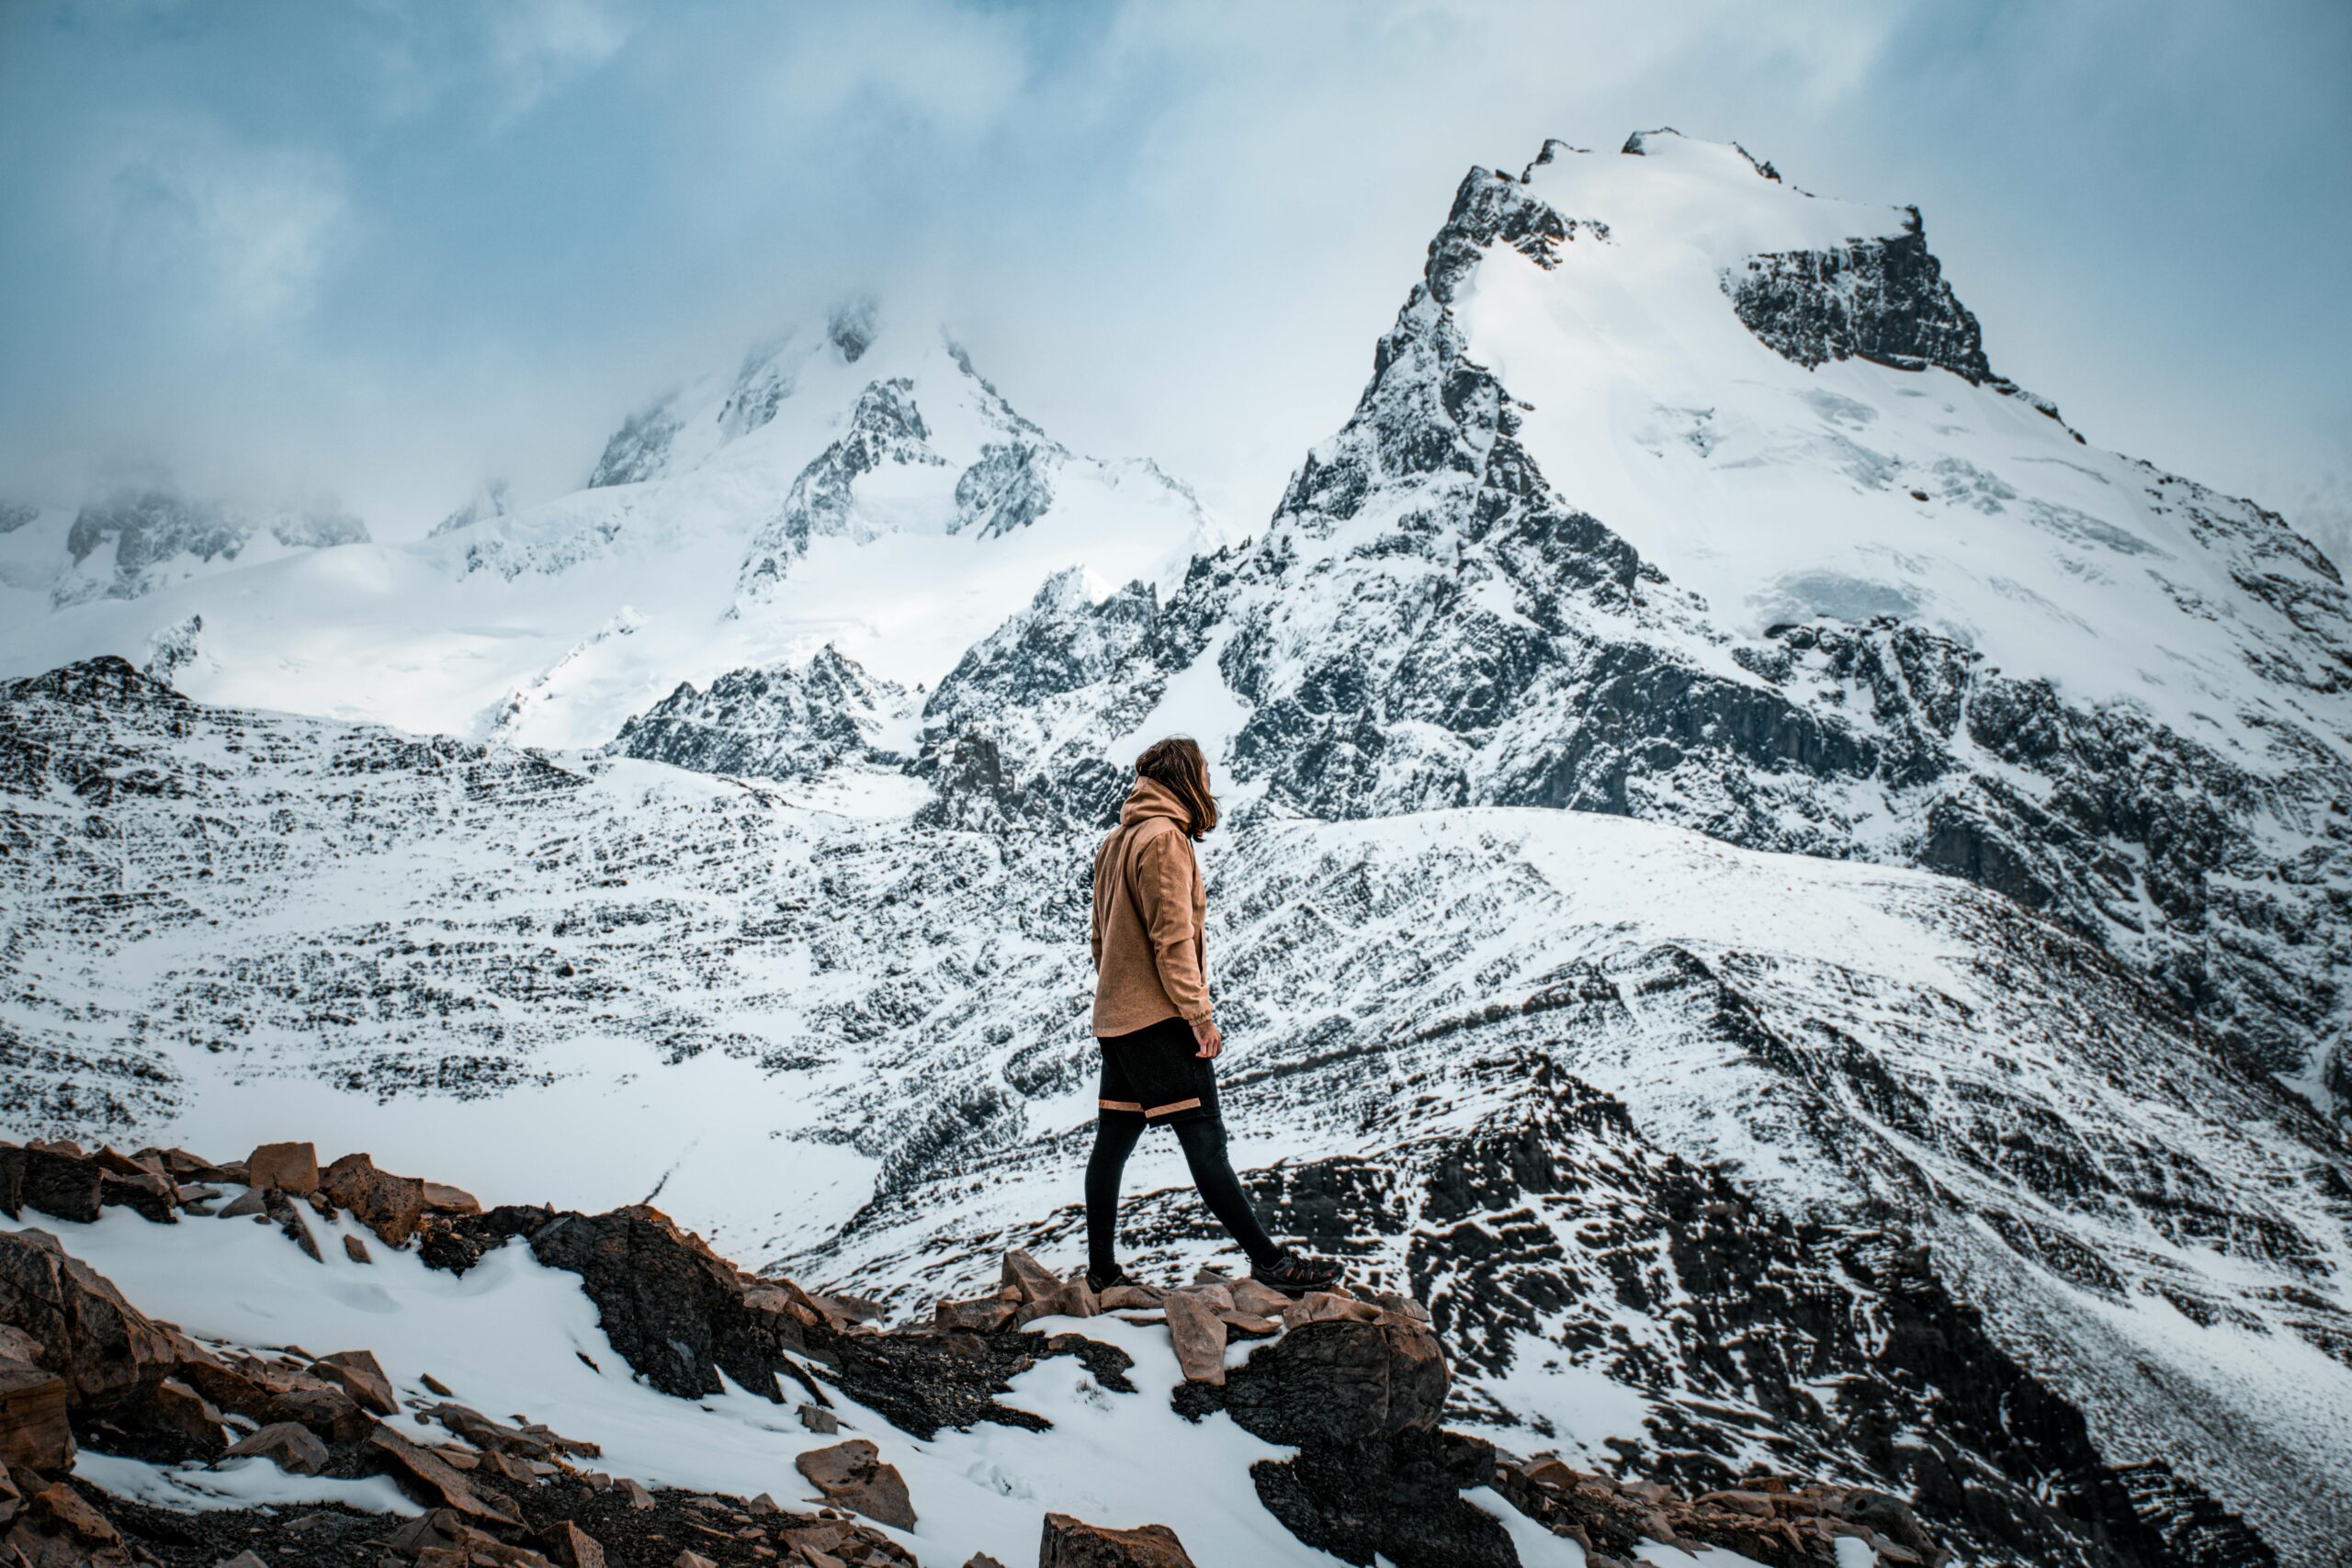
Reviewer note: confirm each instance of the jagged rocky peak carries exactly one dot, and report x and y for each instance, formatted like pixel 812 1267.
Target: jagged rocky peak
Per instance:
pixel 491 500
pixel 782 721
pixel 142 538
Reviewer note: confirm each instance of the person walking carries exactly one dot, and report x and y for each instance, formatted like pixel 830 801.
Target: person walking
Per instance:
pixel 1153 1020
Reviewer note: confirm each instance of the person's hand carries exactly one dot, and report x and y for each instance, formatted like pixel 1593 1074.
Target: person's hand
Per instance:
pixel 1207 1035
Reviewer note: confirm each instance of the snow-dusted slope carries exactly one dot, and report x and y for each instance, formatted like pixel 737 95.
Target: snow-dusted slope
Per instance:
pixel 1609 1094
pixel 858 484
pixel 1624 523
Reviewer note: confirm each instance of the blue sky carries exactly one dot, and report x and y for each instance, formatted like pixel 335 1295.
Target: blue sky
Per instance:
pixel 385 250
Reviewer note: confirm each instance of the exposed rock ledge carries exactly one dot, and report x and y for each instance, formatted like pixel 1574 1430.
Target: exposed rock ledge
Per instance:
pixel 1356 1387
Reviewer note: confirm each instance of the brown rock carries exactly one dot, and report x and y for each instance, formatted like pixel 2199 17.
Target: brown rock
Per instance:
pixel 692 1560
pixel 852 1475
pixel 1199 1336
pixel 1072 1543
pixel 1403 1306
pixel 1259 1301
pixel 50 1180
pixel 425 1476
pixel 819 1420
pixel 981 1560
pixel 173 1406
pixel 284 1167
pixel 1247 1325
pixel 33 1429
pixel 249 1201
pixel 433 1384
pixel 356 1249
pixel 1216 1294
pixel 358 1374
pixel 1120 1298
pixel 58 1529
pixel 104 1349
pixel 1032 1278
pixel 1324 1307
pixel 290 1448
pixel 987 1315
pixel 389 1205
pixel 440 1198
pixel 634 1490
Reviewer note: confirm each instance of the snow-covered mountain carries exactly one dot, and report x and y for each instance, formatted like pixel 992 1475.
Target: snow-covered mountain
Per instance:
pixel 1680 494
pixel 1796 903
pixel 857 484
pixel 141 541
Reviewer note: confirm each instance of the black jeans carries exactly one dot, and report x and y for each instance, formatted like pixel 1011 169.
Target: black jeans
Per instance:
pixel 1204 1141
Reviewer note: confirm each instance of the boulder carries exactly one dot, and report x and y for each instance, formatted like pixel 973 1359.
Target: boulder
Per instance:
pixel 172 1408
pixel 356 1249
pixel 283 1167
pixel 1259 1301
pixel 822 1422
pixel 358 1374
pixel 1340 1382
pixel 1131 1297
pixel 34 1433
pixel 569 1546
pixel 290 1448
pixel 1073 1543
pixel 429 1479
pixel 852 1475
pixel 57 1528
pixel 1032 1278
pixel 389 1205
pixel 440 1198
pixel 1198 1336
pixel 249 1201
pixel 106 1349
pixel 987 1315
pixel 62 1186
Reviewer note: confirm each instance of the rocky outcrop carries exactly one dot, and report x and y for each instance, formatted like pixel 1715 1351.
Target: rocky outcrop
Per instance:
pixel 1071 1543
pixel 138 541
pixel 885 428
pixel 780 722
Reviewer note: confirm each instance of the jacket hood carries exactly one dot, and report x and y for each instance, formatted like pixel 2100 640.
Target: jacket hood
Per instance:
pixel 1152 798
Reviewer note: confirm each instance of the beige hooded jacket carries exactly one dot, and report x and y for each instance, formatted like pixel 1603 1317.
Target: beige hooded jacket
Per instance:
pixel 1150 950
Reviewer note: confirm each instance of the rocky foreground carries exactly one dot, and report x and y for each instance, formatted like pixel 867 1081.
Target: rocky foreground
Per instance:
pixel 1355 1387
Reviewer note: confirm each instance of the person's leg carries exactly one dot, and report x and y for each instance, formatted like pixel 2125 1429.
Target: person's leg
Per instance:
pixel 1114 1139
pixel 1204 1141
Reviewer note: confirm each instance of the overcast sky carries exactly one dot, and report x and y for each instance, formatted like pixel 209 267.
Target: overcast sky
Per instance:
pixel 383 251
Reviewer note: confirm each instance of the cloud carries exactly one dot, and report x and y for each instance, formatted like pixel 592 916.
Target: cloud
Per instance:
pixel 232 232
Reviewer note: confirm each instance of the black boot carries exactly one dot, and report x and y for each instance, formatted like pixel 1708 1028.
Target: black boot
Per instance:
pixel 1294 1275
pixel 1098 1283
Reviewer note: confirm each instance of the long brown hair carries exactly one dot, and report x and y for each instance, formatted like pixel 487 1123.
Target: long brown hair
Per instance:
pixel 1177 766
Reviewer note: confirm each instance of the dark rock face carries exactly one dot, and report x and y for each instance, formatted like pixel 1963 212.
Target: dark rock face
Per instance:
pixel 145 531
pixel 776 723
pixel 885 427
pixel 1009 487
pixel 1883 299
pixel 673 1308
pixel 638 450
pixel 1374 1475
pixel 1339 1383
pixel 2008 1468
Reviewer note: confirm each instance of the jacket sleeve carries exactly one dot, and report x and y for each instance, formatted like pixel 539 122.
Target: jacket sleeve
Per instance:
pixel 1102 904
pixel 1164 876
